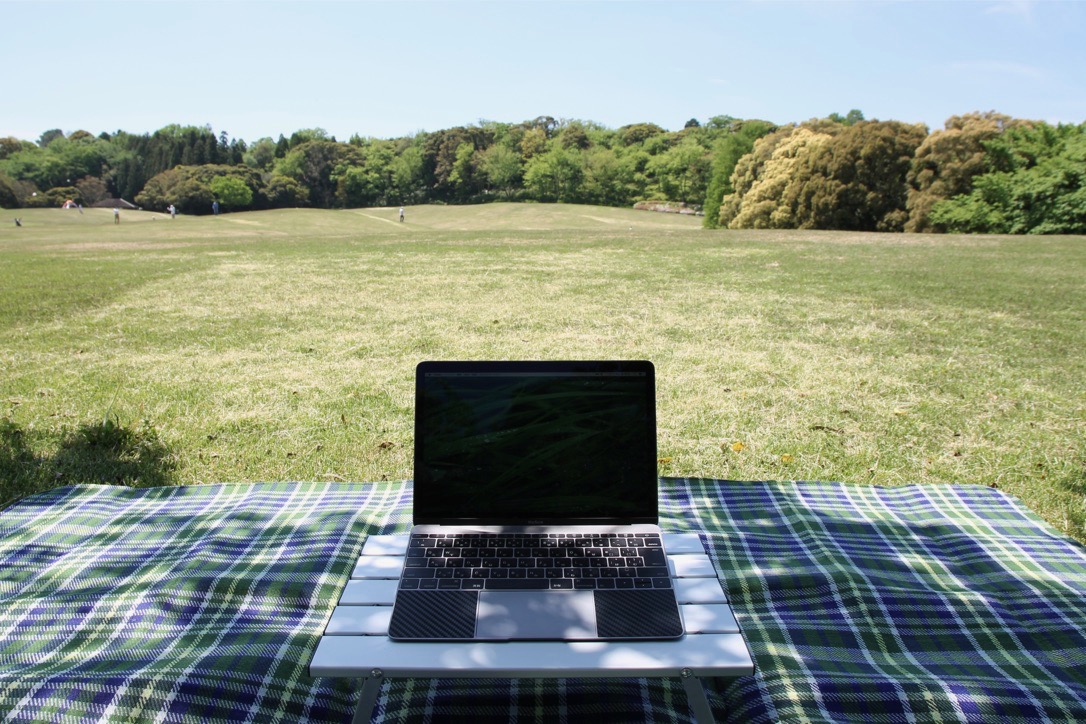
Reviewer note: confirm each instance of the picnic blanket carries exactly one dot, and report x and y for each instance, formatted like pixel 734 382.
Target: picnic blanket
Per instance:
pixel 859 604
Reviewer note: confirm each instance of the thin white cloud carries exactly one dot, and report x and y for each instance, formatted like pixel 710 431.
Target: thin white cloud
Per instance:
pixel 1000 68
pixel 1019 8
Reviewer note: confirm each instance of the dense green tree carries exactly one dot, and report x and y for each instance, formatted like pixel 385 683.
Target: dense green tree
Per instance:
pixel 502 166
pixel 850 119
pixel 315 164
pixel 231 192
pixel 450 164
pixel 610 179
pixel 192 188
pixel 573 134
pixel 637 133
pixel 533 142
pixel 737 141
pixel 308 135
pixel 408 176
pixel 946 163
pixel 462 176
pixel 92 189
pixel 60 163
pixel 49 136
pixel 261 154
pixel 1036 185
pixel 9 199
pixel 135 159
pixel 682 171
pixel 555 175
pixel 285 192
pixel 10 145
pixel 367 179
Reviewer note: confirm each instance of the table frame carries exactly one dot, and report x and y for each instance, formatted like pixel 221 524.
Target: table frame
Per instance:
pixel 356 644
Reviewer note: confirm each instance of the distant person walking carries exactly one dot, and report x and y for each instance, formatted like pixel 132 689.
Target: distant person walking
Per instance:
pixel 173 211
pixel 116 215
pixel 215 207
pixel 401 213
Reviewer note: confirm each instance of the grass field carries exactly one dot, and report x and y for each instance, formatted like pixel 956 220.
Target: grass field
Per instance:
pixel 281 345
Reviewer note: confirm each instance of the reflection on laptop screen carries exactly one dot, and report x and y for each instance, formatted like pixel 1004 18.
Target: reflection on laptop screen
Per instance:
pixel 545 442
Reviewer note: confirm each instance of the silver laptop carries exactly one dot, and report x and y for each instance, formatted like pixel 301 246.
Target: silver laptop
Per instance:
pixel 535 506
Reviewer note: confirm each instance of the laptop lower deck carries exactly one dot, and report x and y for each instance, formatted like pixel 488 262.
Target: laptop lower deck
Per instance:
pixel 607 584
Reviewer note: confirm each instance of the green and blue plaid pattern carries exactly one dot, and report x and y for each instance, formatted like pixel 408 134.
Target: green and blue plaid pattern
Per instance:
pixel 940 603
pixel 200 603
pixel 859 604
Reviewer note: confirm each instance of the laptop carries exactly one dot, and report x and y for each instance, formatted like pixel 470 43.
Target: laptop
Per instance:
pixel 535 506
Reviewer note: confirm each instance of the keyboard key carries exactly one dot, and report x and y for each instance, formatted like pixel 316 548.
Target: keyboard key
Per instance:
pixel 519 584
pixel 652 556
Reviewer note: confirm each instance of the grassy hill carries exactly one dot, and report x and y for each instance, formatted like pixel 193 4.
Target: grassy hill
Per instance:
pixel 280 345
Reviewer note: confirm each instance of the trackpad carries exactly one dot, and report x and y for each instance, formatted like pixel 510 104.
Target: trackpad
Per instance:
pixel 507 615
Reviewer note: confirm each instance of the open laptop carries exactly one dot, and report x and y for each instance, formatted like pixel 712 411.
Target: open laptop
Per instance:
pixel 535 506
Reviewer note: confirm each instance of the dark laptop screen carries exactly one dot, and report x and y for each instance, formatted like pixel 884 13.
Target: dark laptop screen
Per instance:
pixel 528 442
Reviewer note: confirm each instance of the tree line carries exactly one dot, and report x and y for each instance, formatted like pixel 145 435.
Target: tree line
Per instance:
pixel 983 172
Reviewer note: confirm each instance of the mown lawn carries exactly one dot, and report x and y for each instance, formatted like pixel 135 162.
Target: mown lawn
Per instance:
pixel 281 345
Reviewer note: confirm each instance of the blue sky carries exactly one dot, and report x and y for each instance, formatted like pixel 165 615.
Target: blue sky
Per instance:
pixel 390 69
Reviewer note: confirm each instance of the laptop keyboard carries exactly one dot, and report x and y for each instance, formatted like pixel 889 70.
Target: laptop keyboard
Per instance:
pixel 561 561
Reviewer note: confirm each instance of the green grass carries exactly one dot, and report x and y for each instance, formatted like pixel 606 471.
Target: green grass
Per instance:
pixel 281 345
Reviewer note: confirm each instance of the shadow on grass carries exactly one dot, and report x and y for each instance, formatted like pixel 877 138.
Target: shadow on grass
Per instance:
pixel 104 452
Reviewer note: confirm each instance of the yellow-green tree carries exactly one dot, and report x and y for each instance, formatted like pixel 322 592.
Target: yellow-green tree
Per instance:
pixel 855 181
pixel 763 177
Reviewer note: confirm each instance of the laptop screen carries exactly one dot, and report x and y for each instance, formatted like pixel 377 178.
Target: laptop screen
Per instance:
pixel 535 442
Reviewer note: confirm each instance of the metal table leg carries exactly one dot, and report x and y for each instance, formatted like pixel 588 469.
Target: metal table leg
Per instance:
pixel 699 702
pixel 370 688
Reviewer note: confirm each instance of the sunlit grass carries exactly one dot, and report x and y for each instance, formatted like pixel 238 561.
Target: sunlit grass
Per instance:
pixel 281 345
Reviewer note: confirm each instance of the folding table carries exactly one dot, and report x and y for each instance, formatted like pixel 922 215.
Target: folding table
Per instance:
pixel 356 644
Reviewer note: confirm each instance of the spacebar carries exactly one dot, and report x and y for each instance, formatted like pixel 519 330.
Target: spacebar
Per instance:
pixel 516 584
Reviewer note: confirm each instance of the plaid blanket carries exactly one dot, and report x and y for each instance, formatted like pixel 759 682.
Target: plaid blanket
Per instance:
pixel 200 603
pixel 896 604
pixel 859 604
